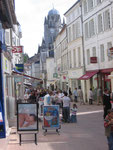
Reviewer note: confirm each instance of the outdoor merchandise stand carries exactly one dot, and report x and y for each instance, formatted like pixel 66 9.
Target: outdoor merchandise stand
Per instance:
pixel 51 118
pixel 2 123
pixel 27 120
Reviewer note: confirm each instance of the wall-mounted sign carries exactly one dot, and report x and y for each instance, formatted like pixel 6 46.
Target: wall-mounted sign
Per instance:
pixel 55 75
pixel 6 64
pixel 93 59
pixel 20 67
pixel 1 118
pixel 17 49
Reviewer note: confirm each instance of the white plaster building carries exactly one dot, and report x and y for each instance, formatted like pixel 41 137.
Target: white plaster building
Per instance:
pixel 98 39
pixel 9 60
pixel 61 59
pixel 75 46
pixel 50 64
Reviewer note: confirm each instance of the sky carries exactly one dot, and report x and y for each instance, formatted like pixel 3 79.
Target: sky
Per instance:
pixel 31 14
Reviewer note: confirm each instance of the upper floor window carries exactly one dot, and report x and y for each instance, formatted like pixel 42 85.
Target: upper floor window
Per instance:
pixel 69 34
pixel 106 20
pixel 70 60
pixel 100 23
pixel 7 38
pixel 94 51
pixel 74 57
pixel 91 28
pixel 85 7
pixel 102 54
pixel 79 57
pixel 73 31
pixel 99 1
pixel 88 56
pixel 90 4
pixel 77 29
pixel 86 31
pixel 109 45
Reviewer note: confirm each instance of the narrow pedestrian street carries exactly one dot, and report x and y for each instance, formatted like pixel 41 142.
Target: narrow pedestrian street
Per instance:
pixel 87 134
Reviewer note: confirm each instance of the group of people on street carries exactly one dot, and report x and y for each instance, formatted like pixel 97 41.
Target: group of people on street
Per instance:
pixel 54 98
pixel 69 113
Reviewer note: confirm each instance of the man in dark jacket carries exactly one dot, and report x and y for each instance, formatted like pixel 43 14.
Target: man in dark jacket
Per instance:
pixel 106 102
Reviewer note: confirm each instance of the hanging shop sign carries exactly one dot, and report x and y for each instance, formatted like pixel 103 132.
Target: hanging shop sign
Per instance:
pixel 55 75
pixel 17 49
pixel 93 59
pixel 20 67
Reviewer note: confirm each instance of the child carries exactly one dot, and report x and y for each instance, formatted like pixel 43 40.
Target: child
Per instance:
pixel 108 124
pixel 73 114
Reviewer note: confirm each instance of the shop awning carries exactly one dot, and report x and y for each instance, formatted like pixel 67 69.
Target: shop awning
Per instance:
pixel 106 70
pixel 25 75
pixel 88 75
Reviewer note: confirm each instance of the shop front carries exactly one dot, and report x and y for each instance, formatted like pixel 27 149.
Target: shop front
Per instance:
pixel 105 81
pixel 92 80
pixel 73 79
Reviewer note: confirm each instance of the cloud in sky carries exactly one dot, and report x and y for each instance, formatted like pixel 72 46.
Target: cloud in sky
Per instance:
pixel 31 14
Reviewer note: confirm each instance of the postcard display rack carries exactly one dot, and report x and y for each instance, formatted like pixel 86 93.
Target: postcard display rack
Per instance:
pixel 51 118
pixel 2 123
pixel 27 121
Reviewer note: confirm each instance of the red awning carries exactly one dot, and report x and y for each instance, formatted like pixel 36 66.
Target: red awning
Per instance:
pixel 88 75
pixel 25 75
pixel 106 70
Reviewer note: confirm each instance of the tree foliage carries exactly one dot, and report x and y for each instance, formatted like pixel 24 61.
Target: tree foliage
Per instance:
pixel 26 57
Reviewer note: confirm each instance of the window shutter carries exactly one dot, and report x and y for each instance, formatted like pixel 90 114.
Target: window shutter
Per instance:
pixel 100 24
pixel 98 2
pixel 86 31
pixel 88 56
pixel 106 20
pixel 102 53
pixel 85 7
pixel 90 4
pixel 7 38
pixel 94 51
pixel 79 57
pixel 109 45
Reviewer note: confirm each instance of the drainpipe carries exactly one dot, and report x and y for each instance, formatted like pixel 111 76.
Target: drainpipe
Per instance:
pixel 84 67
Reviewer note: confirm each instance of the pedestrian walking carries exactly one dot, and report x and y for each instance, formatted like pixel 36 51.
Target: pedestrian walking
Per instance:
pixel 80 95
pixel 47 98
pixel 73 118
pixel 106 102
pixel 70 94
pixel 90 96
pixel 66 107
pixel 99 96
pixel 75 95
pixel 108 124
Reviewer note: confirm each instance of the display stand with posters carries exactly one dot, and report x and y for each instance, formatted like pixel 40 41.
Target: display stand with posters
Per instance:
pixel 51 118
pixel 27 120
pixel 2 123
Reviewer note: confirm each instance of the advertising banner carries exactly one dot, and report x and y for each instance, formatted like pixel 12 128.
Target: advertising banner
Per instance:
pixel 17 49
pixel 51 116
pixel 20 67
pixel 27 117
pixel 1 118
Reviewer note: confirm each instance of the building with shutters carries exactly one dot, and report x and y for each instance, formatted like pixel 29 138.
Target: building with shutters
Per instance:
pixel 98 39
pixel 75 47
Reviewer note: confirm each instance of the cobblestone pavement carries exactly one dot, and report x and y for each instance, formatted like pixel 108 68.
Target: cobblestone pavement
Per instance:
pixel 87 134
